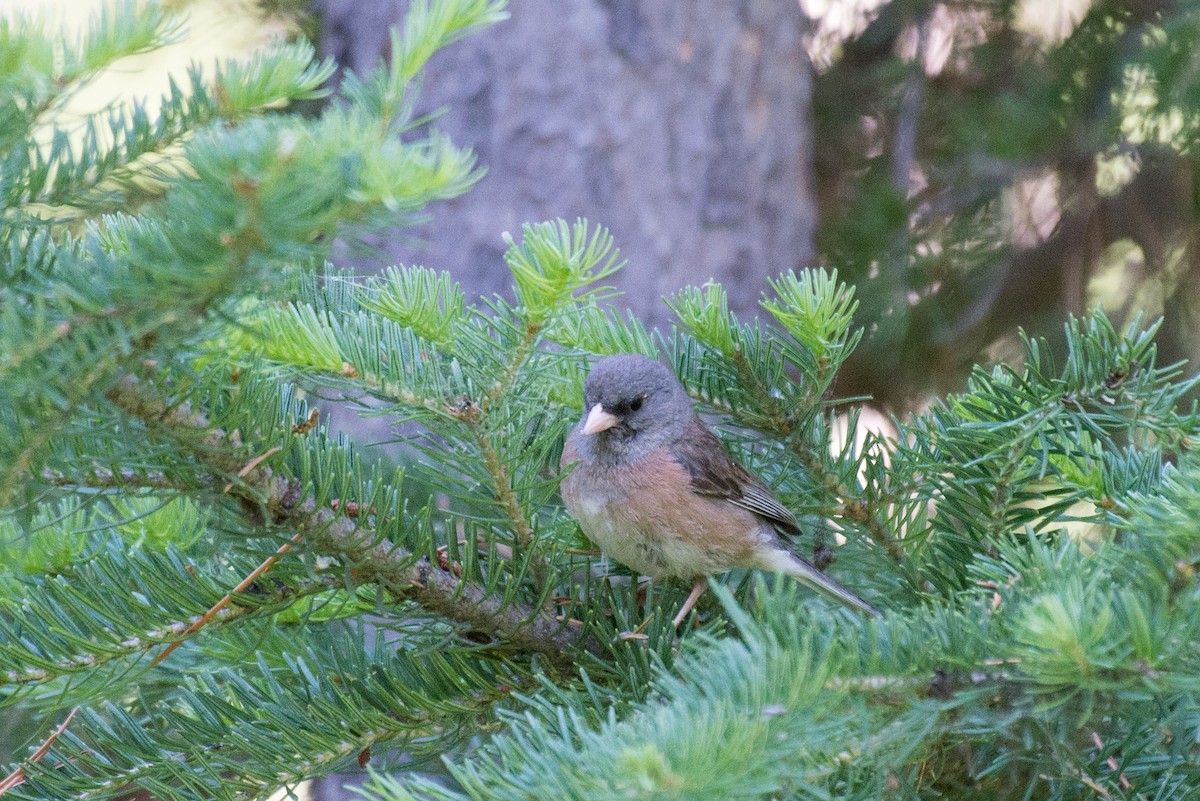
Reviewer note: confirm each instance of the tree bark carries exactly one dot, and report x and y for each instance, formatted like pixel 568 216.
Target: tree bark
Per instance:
pixel 683 127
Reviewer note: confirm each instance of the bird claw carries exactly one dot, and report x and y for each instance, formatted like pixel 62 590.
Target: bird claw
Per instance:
pixel 636 634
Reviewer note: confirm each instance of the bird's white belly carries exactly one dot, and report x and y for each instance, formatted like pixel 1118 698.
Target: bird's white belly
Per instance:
pixel 656 550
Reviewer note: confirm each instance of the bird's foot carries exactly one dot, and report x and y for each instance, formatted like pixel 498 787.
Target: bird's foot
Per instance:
pixel 638 633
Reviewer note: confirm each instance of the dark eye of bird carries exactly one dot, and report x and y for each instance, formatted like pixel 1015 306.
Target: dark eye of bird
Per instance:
pixel 635 404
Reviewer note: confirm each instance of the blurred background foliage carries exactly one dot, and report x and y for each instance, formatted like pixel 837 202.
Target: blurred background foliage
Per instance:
pixel 987 165
pixel 130 91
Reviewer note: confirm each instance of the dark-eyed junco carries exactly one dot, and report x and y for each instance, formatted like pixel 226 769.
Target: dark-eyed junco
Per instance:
pixel 654 488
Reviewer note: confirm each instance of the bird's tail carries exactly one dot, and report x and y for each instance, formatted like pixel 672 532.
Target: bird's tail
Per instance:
pixel 799 568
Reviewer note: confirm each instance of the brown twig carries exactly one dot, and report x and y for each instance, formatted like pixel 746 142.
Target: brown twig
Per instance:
pixel 17 777
pixel 221 604
pixel 253 463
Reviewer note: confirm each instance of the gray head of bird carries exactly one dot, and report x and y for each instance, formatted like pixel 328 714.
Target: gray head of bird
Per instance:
pixel 632 405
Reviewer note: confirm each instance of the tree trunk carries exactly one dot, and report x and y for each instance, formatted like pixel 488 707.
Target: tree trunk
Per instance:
pixel 683 127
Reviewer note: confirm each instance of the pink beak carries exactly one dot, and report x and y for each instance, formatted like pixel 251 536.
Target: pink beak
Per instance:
pixel 599 420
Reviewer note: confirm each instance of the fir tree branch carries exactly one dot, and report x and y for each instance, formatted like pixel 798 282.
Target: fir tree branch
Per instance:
pixel 439 591
pixel 10 480
pixel 220 605
pixel 106 479
pixel 135 644
pixel 501 484
pixel 97 179
pixel 771 416
pixel 240 734
pixel 860 507
pixel 515 627
pixel 473 415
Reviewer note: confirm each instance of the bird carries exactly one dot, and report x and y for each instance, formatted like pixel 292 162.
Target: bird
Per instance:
pixel 651 485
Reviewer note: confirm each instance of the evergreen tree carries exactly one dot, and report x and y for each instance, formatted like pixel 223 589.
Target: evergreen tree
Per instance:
pixel 206 594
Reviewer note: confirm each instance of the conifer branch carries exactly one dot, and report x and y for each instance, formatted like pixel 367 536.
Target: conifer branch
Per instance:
pixel 153 480
pixel 106 479
pixel 45 659
pixel 502 486
pixel 10 480
pixel 474 415
pixel 404 575
pixel 316 711
pixel 851 504
pixel 222 604
pixel 516 627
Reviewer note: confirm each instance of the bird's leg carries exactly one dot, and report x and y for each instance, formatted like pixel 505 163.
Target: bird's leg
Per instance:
pixel 697 590
pixel 639 598
pixel 643 591
pixel 638 633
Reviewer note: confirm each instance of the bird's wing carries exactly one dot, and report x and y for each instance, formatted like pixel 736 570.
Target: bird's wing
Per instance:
pixel 715 473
